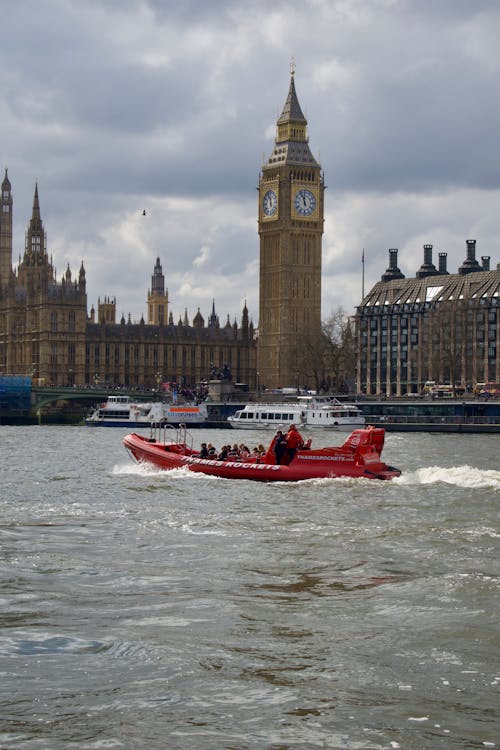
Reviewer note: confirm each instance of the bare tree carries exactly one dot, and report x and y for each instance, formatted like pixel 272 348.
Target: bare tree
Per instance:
pixel 327 361
pixel 309 357
pixel 341 351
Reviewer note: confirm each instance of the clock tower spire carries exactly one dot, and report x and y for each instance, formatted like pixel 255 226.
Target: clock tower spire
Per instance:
pixel 157 298
pixel 291 192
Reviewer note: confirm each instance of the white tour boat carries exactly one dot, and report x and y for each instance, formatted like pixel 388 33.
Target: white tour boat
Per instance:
pixel 122 411
pixel 307 411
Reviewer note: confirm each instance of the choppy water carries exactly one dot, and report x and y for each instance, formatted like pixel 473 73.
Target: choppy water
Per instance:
pixel 141 609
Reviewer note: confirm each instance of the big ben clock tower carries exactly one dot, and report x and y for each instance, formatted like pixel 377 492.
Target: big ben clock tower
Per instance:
pixel 290 227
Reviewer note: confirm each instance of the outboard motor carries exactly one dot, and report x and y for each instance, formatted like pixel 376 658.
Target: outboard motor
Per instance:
pixel 362 439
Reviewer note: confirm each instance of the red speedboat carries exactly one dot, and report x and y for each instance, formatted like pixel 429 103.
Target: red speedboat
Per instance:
pixel 359 456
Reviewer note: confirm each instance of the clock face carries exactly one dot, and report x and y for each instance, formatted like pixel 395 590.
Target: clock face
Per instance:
pixel 305 202
pixel 270 203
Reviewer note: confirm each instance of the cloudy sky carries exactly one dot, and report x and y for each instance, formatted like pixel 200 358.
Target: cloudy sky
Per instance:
pixel 114 106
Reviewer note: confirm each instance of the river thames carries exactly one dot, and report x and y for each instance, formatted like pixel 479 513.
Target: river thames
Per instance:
pixel 141 609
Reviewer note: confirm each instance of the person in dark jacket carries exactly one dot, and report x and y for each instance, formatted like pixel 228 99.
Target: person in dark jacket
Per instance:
pixel 222 453
pixel 279 447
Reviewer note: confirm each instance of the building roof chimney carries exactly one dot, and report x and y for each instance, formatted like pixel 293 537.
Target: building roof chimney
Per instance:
pixel 393 271
pixel 442 263
pixel 470 264
pixel 427 268
pixel 485 262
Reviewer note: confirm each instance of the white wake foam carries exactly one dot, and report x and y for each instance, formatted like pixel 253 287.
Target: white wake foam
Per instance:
pixel 460 476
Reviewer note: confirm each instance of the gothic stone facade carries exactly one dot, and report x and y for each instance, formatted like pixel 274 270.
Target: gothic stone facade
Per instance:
pixel 437 326
pixel 45 330
pixel 291 192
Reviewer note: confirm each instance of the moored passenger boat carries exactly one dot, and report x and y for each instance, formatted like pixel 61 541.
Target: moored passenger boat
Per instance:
pixel 327 411
pixel 266 416
pixel 122 411
pixel 307 411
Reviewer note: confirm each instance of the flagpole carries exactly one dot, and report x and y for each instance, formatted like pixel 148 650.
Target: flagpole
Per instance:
pixel 363 275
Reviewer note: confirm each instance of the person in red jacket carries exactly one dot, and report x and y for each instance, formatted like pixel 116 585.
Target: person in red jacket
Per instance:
pixel 293 441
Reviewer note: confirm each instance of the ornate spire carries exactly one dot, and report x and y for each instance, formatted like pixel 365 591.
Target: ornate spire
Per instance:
pixel 198 321
pixel 6 181
pixel 291 136
pixel 158 280
pixel 292 111
pixel 36 224
pixel 35 238
pixel 213 319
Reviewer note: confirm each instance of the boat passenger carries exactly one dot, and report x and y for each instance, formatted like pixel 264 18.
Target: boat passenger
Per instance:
pixel 212 453
pixel 279 446
pixel 203 451
pixel 244 451
pixel 233 452
pixel 261 449
pixel 294 441
pixel 222 455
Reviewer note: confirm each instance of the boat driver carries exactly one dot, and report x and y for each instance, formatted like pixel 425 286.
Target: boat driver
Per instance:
pixel 293 441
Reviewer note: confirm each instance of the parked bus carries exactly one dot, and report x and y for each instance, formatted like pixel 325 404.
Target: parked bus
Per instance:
pixel 487 390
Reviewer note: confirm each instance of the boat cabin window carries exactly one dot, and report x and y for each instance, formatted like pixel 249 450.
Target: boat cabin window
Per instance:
pixel 118 399
pixel 114 414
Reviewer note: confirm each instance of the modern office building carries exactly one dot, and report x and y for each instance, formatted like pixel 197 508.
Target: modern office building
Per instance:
pixel 438 326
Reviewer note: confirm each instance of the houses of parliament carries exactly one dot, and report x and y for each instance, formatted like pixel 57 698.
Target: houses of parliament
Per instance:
pixel 47 332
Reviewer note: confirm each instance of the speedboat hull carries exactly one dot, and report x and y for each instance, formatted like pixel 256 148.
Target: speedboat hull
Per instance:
pixel 358 457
